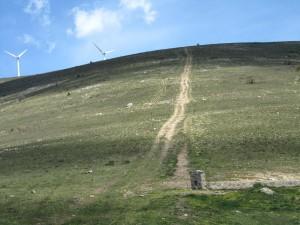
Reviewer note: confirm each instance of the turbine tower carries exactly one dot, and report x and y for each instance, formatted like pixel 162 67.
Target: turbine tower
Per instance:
pixel 104 53
pixel 17 57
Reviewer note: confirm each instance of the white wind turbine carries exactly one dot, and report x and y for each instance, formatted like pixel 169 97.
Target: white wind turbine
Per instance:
pixel 104 53
pixel 17 57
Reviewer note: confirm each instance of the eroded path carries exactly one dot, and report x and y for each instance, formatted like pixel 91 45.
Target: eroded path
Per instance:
pixel 167 132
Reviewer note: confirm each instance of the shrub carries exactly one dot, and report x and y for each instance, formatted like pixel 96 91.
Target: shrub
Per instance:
pixel 250 80
pixel 287 62
pixel 110 163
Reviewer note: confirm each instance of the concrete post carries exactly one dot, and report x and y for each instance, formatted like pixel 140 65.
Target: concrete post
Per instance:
pixel 198 180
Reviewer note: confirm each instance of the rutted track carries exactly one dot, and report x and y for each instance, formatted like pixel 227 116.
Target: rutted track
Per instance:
pixel 167 132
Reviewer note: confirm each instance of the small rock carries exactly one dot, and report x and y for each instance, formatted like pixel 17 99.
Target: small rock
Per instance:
pixel 142 195
pixel 267 191
pixel 33 191
pixel 90 171
pixel 186 215
pixel 142 81
pixel 11 196
pixel 128 194
pixel 92 196
pixel 129 105
pixel 204 99
pixel 99 114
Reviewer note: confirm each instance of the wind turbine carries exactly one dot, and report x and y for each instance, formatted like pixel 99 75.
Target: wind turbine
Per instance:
pixel 104 53
pixel 17 57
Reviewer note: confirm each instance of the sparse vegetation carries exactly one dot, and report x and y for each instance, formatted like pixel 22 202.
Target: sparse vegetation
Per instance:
pixel 244 129
pixel 62 163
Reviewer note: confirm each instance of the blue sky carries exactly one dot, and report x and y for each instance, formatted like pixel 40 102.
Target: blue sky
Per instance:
pixel 59 34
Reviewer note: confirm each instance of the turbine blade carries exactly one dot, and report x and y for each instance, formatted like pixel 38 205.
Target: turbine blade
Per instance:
pixel 22 53
pixel 100 50
pixel 109 51
pixel 7 52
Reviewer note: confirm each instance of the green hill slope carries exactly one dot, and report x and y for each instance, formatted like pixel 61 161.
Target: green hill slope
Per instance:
pixel 104 143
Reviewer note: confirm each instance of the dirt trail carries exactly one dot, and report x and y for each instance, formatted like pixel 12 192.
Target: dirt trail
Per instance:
pixel 167 132
pixel 271 179
pixel 164 138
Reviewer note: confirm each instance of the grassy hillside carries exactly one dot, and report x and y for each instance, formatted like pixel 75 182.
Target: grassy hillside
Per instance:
pixel 73 152
pixel 2 80
pixel 245 114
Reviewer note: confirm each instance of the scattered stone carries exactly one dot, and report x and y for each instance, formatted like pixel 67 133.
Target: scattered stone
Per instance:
pixel 33 191
pixel 142 195
pixel 185 215
pixel 92 196
pixel 267 191
pixel 148 104
pixel 128 194
pixel 164 102
pixel 99 114
pixel 90 171
pixel 204 99
pixel 142 81
pixel 129 105
pixel 11 196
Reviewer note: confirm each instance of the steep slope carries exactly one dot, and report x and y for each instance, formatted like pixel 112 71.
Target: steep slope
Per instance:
pixel 76 146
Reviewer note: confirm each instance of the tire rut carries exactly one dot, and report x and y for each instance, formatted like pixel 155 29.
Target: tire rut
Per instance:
pixel 166 134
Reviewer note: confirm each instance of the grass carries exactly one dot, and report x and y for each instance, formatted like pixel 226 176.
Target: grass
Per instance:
pixel 72 152
pixel 58 138
pixel 241 128
pixel 175 207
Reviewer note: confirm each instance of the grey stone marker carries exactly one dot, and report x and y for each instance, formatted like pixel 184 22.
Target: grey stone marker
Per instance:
pixel 198 180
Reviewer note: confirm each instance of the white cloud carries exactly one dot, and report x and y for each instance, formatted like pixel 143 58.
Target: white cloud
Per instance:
pixel 30 40
pixel 39 9
pixel 89 23
pixel 95 21
pixel 145 5
pixel 69 31
pixel 51 46
pixel 47 46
